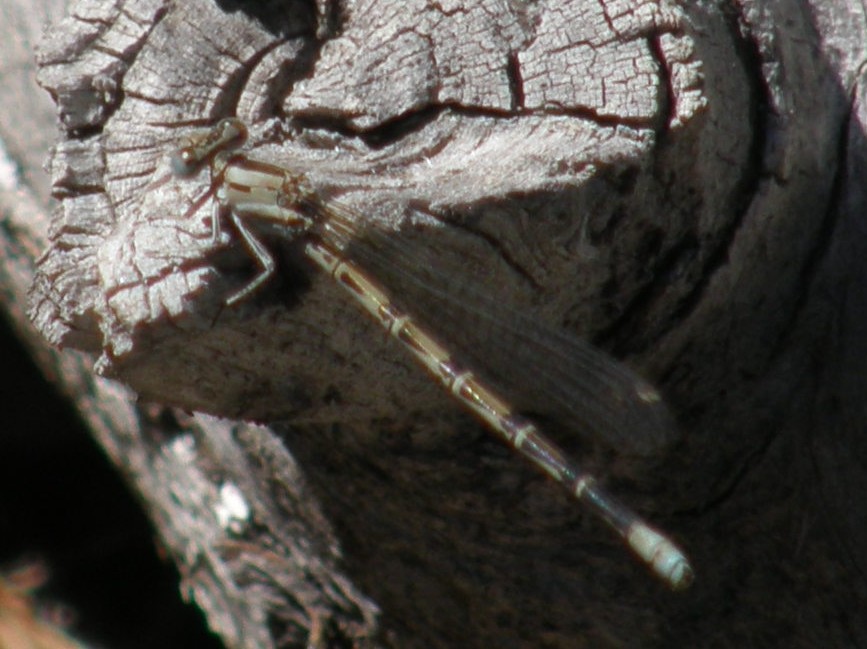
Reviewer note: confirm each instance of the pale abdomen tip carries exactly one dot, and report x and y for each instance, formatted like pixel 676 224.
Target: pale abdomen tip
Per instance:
pixel 662 555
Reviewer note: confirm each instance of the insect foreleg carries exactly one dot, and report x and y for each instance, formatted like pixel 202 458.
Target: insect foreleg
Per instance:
pixel 259 252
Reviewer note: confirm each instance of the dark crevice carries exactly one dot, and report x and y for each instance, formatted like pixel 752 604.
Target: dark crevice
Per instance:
pixel 665 98
pixel 153 101
pixel 96 22
pixel 742 194
pixel 84 132
pixel 197 122
pixel 583 112
pixel 293 69
pixel 747 187
pixel 392 130
pixel 63 190
pixel 282 19
pixel 69 507
pixel 330 19
pixel 516 81
pixel 236 82
pixel 286 24
pixel 380 136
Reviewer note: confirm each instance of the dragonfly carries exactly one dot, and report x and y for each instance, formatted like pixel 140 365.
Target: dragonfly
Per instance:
pixel 248 193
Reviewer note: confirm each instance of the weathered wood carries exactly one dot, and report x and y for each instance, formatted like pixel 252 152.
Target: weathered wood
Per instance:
pixel 680 185
pixel 150 447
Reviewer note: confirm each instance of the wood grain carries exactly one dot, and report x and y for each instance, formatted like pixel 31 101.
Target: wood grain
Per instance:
pixel 681 185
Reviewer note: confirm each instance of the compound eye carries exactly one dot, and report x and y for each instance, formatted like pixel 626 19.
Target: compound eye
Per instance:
pixel 184 162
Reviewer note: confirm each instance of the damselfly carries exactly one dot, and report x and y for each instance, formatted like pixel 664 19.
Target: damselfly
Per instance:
pixel 249 191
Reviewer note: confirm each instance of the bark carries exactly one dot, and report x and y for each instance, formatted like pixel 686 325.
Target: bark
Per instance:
pixel 680 185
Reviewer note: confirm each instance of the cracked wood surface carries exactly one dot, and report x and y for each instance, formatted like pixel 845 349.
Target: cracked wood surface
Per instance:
pixel 679 185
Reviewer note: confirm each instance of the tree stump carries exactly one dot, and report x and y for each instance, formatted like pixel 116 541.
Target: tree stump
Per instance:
pixel 678 185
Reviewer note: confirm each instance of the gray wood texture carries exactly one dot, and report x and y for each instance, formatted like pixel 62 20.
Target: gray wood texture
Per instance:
pixel 682 185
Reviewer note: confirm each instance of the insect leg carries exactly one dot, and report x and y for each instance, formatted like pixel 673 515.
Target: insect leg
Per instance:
pixel 260 254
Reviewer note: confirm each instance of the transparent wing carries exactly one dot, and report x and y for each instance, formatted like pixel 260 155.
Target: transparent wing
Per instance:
pixel 541 370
